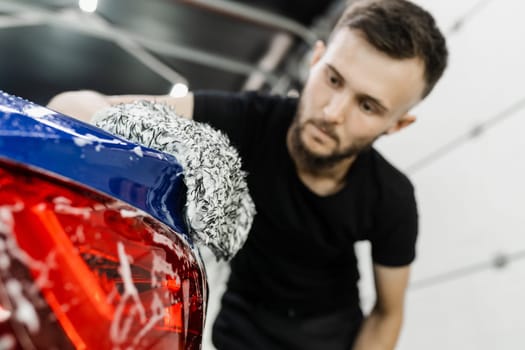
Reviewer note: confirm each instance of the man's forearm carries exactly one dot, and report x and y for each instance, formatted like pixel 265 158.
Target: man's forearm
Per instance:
pixel 84 103
pixel 379 331
pixel 183 105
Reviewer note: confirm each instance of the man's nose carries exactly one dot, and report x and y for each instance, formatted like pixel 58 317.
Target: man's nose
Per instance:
pixel 336 110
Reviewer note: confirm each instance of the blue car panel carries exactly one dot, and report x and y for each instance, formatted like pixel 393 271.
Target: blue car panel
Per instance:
pixel 145 178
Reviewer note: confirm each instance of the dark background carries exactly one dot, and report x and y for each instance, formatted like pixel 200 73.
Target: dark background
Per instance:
pixel 50 46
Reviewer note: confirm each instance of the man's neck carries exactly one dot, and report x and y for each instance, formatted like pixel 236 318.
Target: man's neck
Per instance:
pixel 321 185
pixel 325 181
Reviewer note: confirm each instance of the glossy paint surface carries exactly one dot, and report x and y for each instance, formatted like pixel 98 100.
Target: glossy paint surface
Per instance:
pixel 51 142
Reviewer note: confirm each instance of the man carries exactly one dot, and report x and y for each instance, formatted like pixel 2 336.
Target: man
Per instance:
pixel 319 186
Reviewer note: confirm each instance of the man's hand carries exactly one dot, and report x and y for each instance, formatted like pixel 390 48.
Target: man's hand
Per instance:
pixel 381 328
pixel 79 104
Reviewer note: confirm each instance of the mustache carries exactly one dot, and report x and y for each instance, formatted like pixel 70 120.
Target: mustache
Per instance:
pixel 327 127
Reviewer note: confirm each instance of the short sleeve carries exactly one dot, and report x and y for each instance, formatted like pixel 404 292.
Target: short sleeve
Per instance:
pixel 394 242
pixel 224 111
pixel 243 116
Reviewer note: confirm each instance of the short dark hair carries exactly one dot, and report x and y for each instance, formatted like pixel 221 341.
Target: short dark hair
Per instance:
pixel 400 29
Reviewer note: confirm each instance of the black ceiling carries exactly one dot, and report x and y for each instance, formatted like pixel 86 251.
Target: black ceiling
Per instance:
pixel 48 48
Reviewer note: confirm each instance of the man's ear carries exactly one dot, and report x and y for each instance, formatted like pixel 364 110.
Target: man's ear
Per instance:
pixel 318 52
pixel 402 123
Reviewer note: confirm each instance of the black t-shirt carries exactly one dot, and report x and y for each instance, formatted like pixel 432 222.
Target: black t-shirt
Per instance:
pixel 300 251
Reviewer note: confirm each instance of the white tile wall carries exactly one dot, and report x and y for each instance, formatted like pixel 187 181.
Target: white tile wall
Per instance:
pixel 471 200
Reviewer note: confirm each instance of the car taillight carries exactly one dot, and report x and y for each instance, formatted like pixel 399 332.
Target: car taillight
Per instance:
pixel 109 275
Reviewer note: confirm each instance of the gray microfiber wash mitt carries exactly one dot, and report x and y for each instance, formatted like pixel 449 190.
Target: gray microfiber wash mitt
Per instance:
pixel 219 208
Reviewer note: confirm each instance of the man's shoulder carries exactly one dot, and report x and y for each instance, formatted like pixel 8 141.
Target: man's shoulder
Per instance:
pixel 245 103
pixel 389 177
pixel 249 96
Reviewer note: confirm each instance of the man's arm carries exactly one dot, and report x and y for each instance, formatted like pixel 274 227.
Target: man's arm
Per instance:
pixel 380 330
pixel 83 104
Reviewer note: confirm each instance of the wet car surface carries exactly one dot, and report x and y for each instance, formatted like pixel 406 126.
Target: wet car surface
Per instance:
pixel 94 247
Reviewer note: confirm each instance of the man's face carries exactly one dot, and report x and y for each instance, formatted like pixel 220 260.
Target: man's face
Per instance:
pixel 353 95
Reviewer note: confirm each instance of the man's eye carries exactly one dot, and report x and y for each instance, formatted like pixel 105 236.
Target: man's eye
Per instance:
pixel 367 107
pixel 334 80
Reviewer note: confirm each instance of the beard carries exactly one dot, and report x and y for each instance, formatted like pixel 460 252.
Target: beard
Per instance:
pixel 315 162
